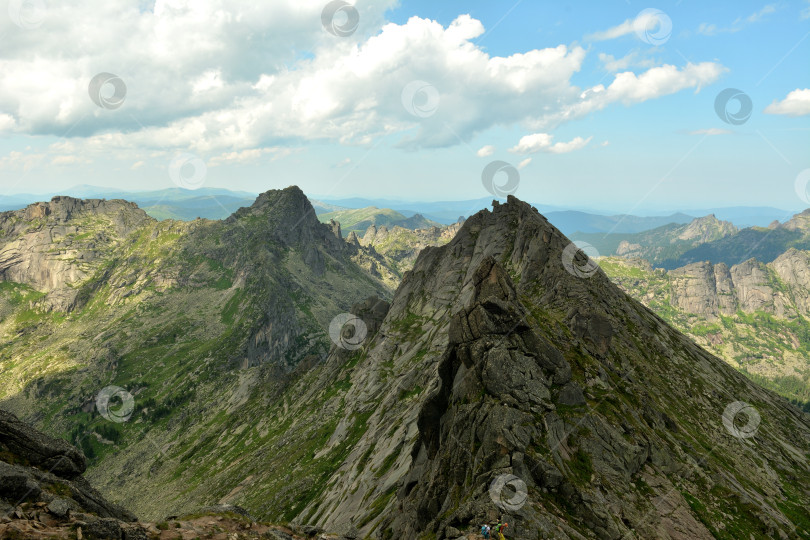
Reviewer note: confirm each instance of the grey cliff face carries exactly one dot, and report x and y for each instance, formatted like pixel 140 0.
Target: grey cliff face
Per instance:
pixel 779 288
pixel 54 246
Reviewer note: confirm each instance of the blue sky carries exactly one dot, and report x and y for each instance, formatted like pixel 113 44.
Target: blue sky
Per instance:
pixel 594 112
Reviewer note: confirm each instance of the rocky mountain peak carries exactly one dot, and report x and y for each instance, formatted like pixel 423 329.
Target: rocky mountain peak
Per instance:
pixel 278 201
pixel 542 374
pixel 371 232
pixel 287 217
pixel 706 228
pixel 125 216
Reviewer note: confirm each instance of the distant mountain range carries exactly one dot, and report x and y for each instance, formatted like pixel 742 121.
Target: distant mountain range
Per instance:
pixel 219 203
pixel 570 220
pixel 170 203
pixel 705 239
pixel 745 216
pixel 662 246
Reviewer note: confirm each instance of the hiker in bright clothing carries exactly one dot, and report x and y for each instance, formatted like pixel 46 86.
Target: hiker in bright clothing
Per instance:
pixel 499 529
pixel 485 529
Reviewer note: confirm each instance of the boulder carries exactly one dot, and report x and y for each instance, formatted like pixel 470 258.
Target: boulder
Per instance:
pixel 103 529
pixel 59 507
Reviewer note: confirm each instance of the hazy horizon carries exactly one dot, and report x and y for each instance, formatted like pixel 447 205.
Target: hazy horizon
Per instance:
pixel 696 211
pixel 613 107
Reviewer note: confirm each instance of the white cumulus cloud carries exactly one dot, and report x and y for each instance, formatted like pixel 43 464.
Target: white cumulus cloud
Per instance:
pixel 233 80
pixel 629 88
pixel 485 151
pixel 797 103
pixel 631 59
pixel 542 142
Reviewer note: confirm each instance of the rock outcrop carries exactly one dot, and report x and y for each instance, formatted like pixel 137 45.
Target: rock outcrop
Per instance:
pixel 705 229
pixel 781 288
pixel 40 480
pixel 54 246
pixel 753 315
pixel 402 245
pixel 39 450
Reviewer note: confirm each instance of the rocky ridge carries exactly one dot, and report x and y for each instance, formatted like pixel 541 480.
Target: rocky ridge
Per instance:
pixel 582 394
pixel 401 246
pixel 781 288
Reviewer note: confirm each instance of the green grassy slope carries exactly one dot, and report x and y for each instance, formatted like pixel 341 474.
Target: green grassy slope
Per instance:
pixel 173 316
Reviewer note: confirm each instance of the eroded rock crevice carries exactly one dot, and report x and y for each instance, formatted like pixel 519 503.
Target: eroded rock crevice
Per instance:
pixel 496 381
